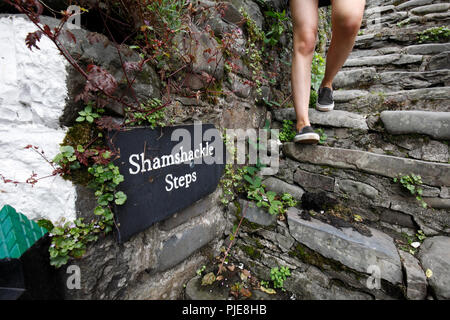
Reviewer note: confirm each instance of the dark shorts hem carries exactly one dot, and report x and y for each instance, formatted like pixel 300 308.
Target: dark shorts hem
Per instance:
pixel 322 3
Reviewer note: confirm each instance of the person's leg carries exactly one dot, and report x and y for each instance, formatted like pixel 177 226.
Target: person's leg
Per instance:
pixel 305 22
pixel 346 17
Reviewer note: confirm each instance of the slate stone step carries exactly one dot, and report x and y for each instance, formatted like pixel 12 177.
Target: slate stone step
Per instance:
pixel 434 254
pixel 433 174
pixel 362 101
pixel 395 59
pixel 390 80
pixel 349 247
pixel 416 281
pixel 434 124
pixel 335 118
pixel 416 49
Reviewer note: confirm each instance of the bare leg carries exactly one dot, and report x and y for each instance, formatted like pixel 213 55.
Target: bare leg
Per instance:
pixel 346 17
pixel 305 21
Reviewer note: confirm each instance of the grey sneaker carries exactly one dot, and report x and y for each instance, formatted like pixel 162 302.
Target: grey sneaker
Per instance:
pixel 325 100
pixel 307 136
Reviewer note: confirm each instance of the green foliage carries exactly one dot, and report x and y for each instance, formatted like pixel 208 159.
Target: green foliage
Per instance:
pixel 317 71
pixel 200 270
pixel 278 276
pixel 265 199
pixel 231 182
pixel 322 134
pixel 67 158
pixel 412 183
pixel 70 239
pixel 147 114
pixel 277 28
pixel 410 240
pixel 287 132
pixel 88 114
pixel 313 98
pixel 434 34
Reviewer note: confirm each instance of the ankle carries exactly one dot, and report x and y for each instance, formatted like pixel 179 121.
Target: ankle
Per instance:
pixel 327 85
pixel 301 124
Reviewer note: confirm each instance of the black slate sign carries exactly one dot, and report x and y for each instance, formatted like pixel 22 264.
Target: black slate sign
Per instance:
pixel 165 170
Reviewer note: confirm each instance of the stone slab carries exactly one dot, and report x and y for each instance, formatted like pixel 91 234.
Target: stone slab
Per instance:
pixel 256 215
pixel 313 180
pixel 434 124
pixel 435 255
pixel 347 246
pixel 416 281
pixel 434 174
pixel 280 187
pixel 335 118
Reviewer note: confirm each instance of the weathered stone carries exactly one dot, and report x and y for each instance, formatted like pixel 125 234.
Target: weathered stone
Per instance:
pixel 413 3
pixel 437 203
pixel 352 78
pixel 394 59
pixel 440 61
pixel 398 80
pixel 432 151
pixel 434 254
pixel 437 7
pixel 435 124
pixel 256 215
pixel 348 95
pixel 280 187
pixel 335 118
pixel 444 193
pixel 434 174
pixel 312 180
pixel 357 188
pixel 416 281
pixel 238 86
pixel 347 246
pixel 195 291
pixel 429 48
pixel 187 241
pixel 252 9
pixel 434 220
pixel 200 207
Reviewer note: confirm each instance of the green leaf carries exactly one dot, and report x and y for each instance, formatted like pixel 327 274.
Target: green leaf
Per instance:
pixel 90 119
pixel 98 211
pixel 46 224
pixel 120 198
pixel 79 119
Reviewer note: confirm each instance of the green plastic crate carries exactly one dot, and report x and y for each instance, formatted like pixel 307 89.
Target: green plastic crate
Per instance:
pixel 17 233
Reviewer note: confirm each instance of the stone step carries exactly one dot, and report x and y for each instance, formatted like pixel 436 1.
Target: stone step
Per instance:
pixel 394 60
pixel 434 124
pixel 362 101
pixel 417 49
pixel 435 255
pixel 335 118
pixel 354 250
pixel 388 36
pixel 390 81
pixel 433 174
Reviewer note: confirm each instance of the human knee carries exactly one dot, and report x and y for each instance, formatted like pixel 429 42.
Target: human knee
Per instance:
pixel 350 26
pixel 306 43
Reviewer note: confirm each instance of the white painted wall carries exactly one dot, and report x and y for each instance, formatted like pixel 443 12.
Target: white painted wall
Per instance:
pixel 32 98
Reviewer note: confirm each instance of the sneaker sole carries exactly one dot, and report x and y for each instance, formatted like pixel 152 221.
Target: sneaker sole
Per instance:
pixel 307 138
pixel 324 108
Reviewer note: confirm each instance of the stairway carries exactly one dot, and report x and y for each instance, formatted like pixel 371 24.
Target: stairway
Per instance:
pixel 392 117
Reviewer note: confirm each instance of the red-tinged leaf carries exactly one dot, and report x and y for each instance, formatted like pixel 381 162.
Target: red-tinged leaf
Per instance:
pixel 211 60
pixel 107 123
pixel 100 79
pixel 32 38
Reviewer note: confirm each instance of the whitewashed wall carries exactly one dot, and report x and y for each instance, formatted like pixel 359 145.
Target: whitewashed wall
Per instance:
pixel 32 98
